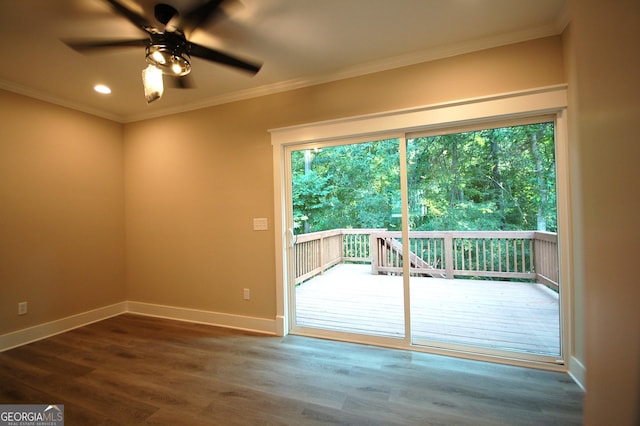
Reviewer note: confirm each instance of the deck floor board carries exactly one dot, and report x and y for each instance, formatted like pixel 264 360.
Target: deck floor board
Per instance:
pixel 494 314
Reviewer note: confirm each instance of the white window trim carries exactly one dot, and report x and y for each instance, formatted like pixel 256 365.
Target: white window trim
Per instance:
pixel 551 100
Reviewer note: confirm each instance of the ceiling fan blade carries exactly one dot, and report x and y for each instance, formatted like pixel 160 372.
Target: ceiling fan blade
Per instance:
pixel 184 82
pixel 164 13
pixel 84 46
pixel 133 17
pixel 199 15
pixel 222 58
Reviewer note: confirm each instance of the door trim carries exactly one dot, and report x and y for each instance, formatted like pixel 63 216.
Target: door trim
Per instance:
pixel 514 105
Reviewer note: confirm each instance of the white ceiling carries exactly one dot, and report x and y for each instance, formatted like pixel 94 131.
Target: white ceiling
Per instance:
pixel 299 42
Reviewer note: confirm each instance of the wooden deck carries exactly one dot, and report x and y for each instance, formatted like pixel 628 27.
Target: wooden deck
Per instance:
pixel 493 314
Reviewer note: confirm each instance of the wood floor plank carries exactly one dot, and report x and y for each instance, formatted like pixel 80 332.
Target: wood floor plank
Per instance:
pixel 132 369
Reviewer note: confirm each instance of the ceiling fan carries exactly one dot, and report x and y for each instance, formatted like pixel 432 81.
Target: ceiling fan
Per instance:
pixel 168 51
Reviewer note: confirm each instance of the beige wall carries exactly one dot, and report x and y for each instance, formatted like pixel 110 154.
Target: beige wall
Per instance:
pixel 61 212
pixel 605 108
pixel 194 181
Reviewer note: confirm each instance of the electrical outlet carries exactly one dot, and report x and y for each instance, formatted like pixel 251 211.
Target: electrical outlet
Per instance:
pixel 260 224
pixel 22 308
pixel 247 294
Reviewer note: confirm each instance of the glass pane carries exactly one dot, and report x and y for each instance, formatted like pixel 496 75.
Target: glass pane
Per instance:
pixel 483 234
pixel 342 196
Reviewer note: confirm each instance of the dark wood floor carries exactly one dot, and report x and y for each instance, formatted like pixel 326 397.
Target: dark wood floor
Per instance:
pixel 138 370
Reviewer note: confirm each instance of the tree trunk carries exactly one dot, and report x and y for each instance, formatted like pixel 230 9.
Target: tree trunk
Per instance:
pixel 542 184
pixel 307 169
pixel 496 175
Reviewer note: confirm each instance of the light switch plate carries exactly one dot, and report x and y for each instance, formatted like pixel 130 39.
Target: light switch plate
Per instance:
pixel 260 224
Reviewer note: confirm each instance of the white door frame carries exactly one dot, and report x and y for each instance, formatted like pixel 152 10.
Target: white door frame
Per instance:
pixel 515 105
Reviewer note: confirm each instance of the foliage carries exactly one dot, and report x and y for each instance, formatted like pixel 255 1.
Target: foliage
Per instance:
pixel 491 179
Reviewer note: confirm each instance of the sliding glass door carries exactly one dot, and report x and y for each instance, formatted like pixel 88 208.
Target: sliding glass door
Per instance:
pixel 483 227
pixel 442 240
pixel 342 195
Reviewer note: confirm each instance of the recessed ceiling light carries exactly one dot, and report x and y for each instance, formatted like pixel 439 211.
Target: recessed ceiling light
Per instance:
pixel 101 88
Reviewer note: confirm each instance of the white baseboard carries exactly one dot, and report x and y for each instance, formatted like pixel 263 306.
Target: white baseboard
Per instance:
pixel 274 326
pixel 42 331
pixel 239 322
pixel 281 325
pixel 578 372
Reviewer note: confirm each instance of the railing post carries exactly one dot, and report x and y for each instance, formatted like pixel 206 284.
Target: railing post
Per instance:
pixel 537 257
pixel 321 255
pixel 373 253
pixel 448 255
pixel 342 239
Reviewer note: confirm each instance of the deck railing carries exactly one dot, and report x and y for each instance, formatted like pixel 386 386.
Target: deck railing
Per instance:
pixel 317 251
pixel 530 255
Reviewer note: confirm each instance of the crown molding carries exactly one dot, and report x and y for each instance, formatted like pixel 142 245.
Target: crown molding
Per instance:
pixel 382 65
pixel 56 100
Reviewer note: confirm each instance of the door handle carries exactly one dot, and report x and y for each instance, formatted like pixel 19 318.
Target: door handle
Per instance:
pixel 291 238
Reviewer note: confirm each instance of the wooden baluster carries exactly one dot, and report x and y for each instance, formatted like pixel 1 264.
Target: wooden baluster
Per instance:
pixel 484 254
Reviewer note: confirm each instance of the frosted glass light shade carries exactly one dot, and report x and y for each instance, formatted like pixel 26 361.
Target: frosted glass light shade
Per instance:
pixel 152 82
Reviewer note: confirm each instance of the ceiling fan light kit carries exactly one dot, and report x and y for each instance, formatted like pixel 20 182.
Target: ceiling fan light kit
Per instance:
pixel 166 54
pixel 169 55
pixel 168 51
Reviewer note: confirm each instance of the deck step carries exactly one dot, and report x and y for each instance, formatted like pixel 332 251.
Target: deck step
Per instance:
pixel 414 260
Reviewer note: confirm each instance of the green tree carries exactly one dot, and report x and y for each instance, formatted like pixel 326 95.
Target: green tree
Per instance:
pixel 347 186
pixel 491 179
